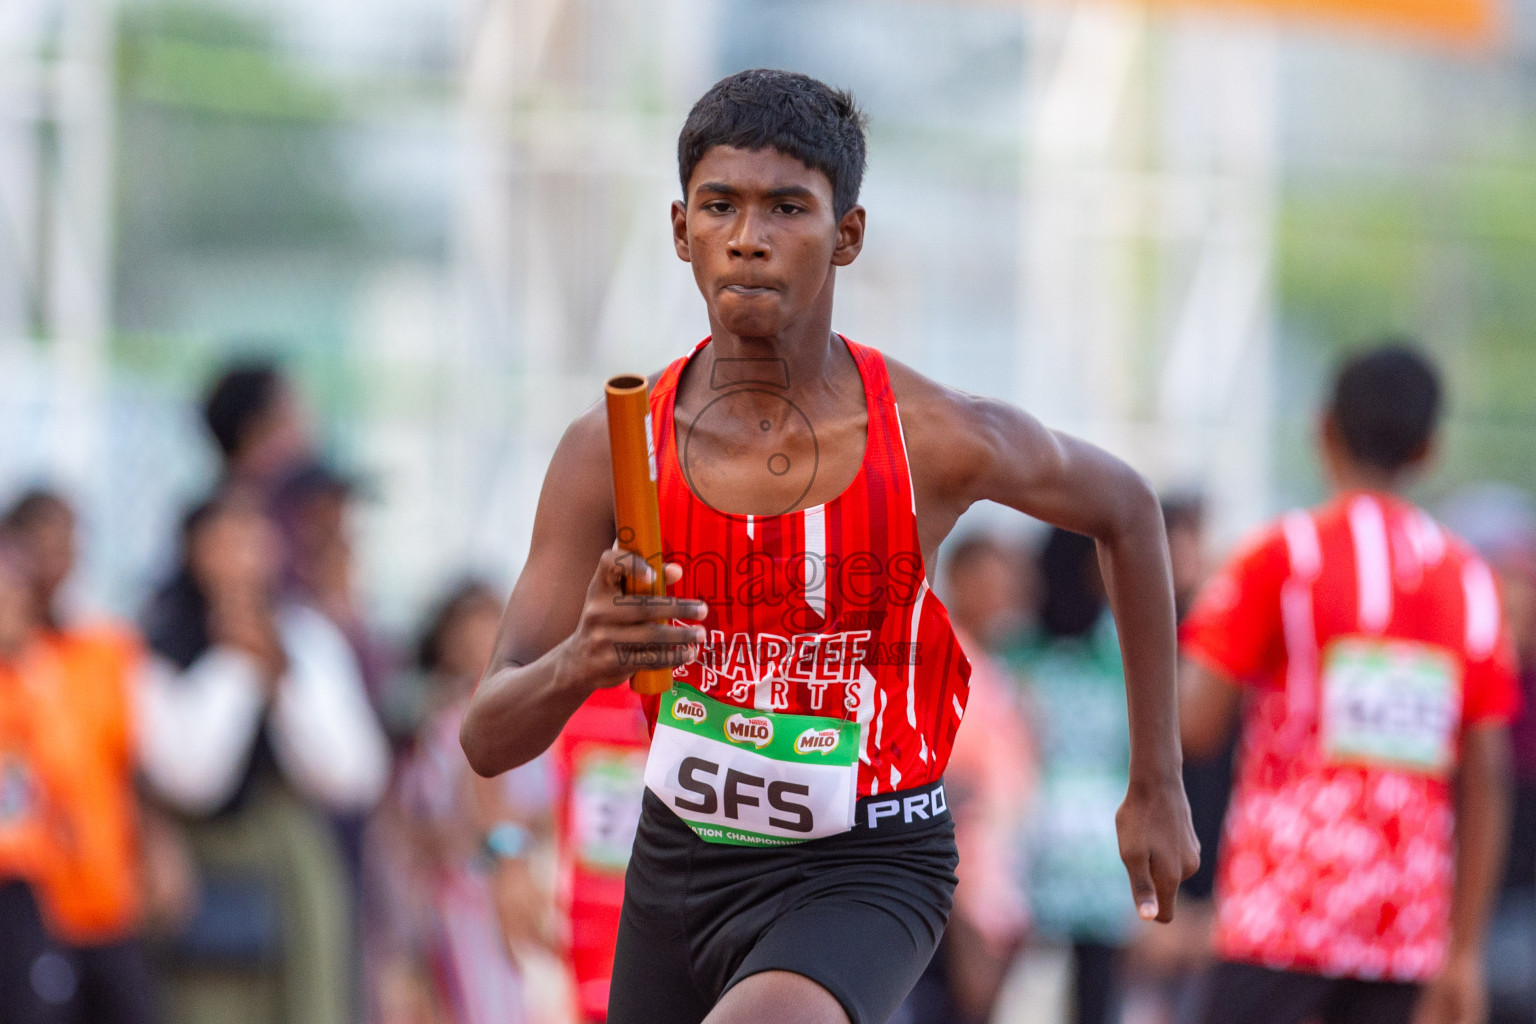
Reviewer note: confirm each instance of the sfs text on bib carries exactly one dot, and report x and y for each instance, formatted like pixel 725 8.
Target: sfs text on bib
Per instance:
pixel 752 778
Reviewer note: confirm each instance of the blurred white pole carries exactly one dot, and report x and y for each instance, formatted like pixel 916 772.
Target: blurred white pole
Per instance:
pixel 1079 218
pixel 561 271
pixel 56 125
pixel 79 278
pixel 1218 203
pixel 1124 170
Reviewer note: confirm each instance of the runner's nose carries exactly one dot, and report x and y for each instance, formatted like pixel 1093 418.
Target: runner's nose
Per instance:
pixel 749 241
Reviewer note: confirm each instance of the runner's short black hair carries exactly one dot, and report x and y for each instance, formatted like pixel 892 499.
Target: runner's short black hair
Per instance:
pixel 1386 402
pixel 797 115
pixel 242 393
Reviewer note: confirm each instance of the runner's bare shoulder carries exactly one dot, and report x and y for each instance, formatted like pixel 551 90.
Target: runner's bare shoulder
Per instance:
pixel 955 438
pixel 578 488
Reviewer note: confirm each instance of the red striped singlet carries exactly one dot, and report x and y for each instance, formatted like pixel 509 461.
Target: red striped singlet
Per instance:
pixel 823 611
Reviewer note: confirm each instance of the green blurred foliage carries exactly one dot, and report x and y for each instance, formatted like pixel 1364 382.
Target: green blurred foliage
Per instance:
pixel 1445 255
pixel 235 227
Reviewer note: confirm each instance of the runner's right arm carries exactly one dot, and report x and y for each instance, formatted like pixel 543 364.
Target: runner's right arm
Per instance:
pixel 568 624
pixel 1458 993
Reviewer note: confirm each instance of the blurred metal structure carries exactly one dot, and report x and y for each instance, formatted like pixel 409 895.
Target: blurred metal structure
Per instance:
pixel 1146 293
pixel 56 126
pixel 561 251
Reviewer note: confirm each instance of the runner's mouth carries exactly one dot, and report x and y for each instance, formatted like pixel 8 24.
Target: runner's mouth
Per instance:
pixel 748 289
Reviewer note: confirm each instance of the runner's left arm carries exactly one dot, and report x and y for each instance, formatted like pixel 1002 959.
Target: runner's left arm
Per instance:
pixel 1457 994
pixel 1005 455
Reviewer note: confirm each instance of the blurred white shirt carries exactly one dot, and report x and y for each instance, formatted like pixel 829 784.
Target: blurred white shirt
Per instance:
pixel 198 727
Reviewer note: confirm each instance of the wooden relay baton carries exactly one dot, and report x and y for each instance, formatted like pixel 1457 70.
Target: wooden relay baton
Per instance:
pixel 637 510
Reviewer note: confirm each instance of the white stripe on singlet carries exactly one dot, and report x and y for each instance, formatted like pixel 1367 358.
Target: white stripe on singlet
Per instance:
pixel 905 461
pixel 1427 537
pixel 816 545
pixel 917 619
pixel 1373 572
pixel 1482 609
pixel 1297 625
pixel 1302 545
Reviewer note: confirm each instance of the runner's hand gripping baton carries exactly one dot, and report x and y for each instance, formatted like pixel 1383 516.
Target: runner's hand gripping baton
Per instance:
pixel 634 492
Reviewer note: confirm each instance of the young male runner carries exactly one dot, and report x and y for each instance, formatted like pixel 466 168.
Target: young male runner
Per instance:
pixel 1363 842
pixel 806 483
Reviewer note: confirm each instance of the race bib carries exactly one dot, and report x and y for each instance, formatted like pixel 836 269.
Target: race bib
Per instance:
pixel 1391 703
pixel 605 806
pixel 752 778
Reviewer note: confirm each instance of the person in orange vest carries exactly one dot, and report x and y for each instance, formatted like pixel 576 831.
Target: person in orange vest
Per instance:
pixel 36 979
pixel 83 677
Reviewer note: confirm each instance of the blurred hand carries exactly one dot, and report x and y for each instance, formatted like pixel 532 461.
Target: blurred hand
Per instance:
pixel 1456 996
pixel 245 622
pixel 1157 844
pixel 169 877
pixel 523 908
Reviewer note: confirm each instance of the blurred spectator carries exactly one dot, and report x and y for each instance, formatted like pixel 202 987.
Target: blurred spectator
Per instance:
pixel 258 424
pixel 1368 822
pixel 1075 690
pixel 987 784
pixel 454 850
pixel 313 506
pixel 600 762
pixel 1500 521
pixel 257 727
pixel 1184 520
pixel 36 981
pixel 84 675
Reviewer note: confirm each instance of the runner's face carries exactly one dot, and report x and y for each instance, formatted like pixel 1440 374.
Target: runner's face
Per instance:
pixel 761 234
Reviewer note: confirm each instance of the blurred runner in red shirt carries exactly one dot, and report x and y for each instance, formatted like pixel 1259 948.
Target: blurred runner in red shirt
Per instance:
pixel 1362 847
pixel 600 757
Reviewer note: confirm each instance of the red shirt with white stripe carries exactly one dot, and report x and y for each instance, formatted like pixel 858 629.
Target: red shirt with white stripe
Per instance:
pixel 823 611
pixel 1371 639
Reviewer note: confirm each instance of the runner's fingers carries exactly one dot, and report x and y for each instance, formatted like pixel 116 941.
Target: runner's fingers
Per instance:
pixel 1138 865
pixel 1167 873
pixel 1192 855
pixel 635 656
pixel 634 609
pixel 664 634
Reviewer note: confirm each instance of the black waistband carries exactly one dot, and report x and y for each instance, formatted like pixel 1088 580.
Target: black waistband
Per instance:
pixel 902 809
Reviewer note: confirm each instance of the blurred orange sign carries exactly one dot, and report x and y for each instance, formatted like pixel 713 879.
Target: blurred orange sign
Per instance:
pixel 1456 22
pixel 1463 21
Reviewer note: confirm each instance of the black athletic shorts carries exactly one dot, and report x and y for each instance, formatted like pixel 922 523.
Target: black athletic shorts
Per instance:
pixel 859 913
pixel 1259 995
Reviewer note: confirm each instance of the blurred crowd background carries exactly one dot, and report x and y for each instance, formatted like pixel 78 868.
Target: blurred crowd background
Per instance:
pixel 296 298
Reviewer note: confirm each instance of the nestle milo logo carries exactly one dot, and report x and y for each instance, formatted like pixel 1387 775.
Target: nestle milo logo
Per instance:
pixel 816 741
pixel 756 731
pixel 689 710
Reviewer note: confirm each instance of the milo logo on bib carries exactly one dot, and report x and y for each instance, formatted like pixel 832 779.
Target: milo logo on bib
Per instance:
pixel 759 778
pixel 756 731
pixel 818 741
pixel 685 710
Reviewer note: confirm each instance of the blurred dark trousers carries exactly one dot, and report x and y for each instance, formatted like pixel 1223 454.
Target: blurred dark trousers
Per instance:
pixel 37 981
pixel 117 985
